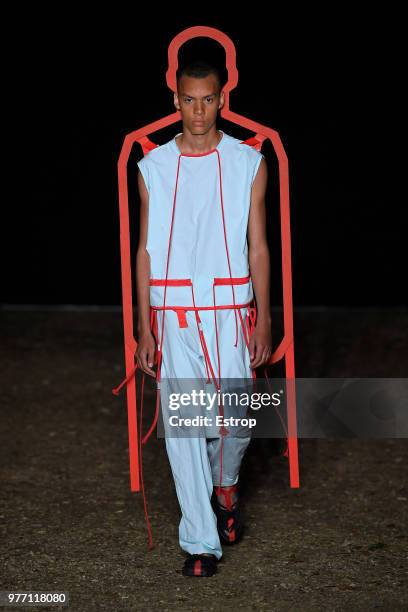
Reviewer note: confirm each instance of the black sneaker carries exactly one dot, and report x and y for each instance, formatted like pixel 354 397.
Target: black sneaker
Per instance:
pixel 200 565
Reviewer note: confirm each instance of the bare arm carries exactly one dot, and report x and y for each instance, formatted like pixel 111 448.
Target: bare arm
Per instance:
pixel 259 263
pixel 146 344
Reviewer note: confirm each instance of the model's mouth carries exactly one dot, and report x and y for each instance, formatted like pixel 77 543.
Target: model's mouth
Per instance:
pixel 198 122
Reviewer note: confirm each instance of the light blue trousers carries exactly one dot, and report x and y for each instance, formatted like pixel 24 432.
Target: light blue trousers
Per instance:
pixel 195 453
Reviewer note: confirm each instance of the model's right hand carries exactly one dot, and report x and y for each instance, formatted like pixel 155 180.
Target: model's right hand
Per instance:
pixel 146 353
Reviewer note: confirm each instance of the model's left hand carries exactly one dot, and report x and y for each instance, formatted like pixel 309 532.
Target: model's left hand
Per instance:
pixel 260 344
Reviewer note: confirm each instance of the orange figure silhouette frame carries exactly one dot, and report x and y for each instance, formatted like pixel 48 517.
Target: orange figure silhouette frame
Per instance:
pixel 285 349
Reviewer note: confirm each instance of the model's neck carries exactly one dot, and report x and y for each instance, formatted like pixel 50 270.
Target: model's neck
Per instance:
pixel 192 144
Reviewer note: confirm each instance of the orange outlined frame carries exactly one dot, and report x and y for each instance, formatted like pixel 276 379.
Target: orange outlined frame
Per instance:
pixel 285 350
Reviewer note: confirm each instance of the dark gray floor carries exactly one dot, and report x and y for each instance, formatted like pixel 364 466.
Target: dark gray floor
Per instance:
pixel 69 521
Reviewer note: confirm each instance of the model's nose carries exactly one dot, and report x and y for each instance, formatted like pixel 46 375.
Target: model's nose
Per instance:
pixel 198 109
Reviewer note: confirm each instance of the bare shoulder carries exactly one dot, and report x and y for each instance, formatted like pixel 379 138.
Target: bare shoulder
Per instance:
pixel 260 180
pixel 143 192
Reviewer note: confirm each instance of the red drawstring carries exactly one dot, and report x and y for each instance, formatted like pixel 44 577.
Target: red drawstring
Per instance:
pixel 150 545
pixel 167 264
pixel 244 330
pixel 159 361
pixel 154 327
pixel 226 248
pixel 216 338
pixel 117 389
pixel 116 392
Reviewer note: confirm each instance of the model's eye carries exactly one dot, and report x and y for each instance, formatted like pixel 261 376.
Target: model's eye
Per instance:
pixel 187 99
pixel 209 99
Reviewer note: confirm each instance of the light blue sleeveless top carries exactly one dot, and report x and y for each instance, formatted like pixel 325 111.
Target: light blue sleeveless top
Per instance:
pixel 205 190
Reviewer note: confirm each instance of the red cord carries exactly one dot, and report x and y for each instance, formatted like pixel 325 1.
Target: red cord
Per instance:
pixel 226 247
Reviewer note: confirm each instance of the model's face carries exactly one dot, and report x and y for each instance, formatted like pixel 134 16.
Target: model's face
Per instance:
pixel 198 101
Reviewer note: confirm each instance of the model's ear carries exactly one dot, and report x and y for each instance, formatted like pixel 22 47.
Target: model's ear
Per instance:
pixel 176 101
pixel 222 100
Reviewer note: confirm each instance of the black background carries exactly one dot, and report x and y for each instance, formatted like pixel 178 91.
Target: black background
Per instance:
pixel 327 85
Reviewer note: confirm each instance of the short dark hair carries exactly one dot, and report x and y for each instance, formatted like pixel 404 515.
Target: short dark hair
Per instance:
pixel 198 69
